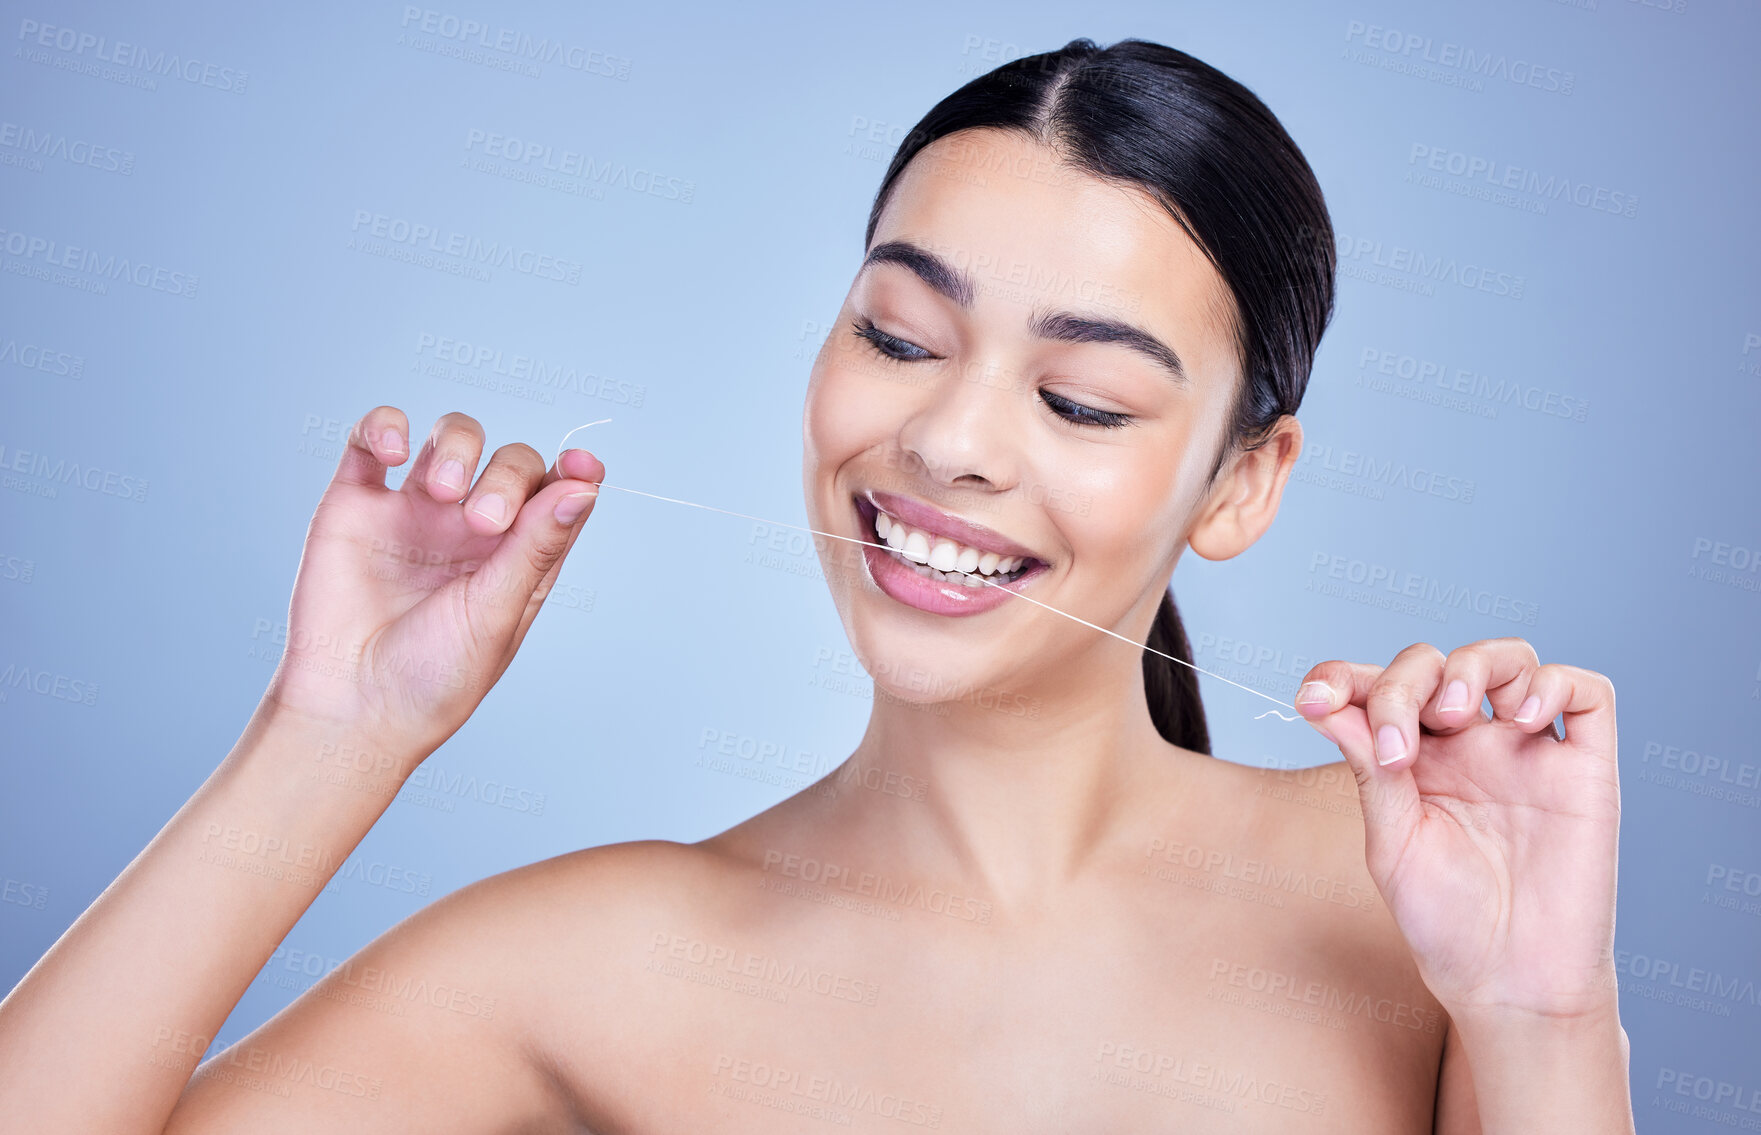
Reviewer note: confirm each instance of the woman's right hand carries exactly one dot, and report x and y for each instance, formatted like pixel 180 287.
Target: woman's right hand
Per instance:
pixel 409 603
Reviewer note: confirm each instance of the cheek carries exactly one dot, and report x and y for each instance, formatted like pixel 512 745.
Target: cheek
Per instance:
pixel 1119 510
pixel 847 412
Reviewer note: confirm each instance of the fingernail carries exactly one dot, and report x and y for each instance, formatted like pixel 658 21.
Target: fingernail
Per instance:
pixel 570 508
pixel 1390 745
pixel 491 507
pixel 391 441
pixel 1454 696
pixel 1527 711
pixel 451 473
pixel 1314 692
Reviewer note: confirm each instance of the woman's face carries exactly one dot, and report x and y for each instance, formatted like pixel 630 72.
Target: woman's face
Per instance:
pixel 1031 361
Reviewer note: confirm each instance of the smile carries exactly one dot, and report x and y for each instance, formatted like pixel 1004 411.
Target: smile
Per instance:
pixel 937 562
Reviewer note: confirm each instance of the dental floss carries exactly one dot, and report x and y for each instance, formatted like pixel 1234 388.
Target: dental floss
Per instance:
pixel 885 548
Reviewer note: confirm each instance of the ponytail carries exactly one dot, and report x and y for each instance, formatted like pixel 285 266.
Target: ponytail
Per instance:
pixel 1172 690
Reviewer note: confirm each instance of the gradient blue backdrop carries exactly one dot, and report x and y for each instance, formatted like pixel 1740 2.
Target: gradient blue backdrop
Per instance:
pixel 1571 445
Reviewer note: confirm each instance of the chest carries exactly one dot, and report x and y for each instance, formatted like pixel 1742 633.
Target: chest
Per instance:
pixel 1191 1023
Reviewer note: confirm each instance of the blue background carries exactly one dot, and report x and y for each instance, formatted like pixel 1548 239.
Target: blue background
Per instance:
pixel 1574 443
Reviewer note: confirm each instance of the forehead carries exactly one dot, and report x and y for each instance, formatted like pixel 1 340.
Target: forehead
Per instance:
pixel 1035 232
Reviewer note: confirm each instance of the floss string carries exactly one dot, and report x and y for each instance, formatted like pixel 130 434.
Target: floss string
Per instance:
pixel 886 548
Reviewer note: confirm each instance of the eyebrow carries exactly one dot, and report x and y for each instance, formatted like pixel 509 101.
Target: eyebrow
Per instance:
pixel 1062 326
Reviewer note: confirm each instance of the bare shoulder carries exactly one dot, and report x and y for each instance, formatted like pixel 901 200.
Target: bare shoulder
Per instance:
pixel 1307 828
pixel 1311 813
pixel 480 1011
pixel 618 946
pixel 1296 840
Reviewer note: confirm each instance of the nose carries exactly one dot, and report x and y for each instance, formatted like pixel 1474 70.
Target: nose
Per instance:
pixel 965 432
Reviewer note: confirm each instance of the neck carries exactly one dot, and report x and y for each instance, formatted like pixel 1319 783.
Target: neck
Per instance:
pixel 1020 788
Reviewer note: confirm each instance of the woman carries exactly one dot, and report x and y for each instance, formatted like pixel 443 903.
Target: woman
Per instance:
pixel 1030 900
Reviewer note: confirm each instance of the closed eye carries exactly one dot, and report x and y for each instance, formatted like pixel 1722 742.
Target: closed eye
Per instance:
pixel 1083 415
pixel 899 350
pixel 891 346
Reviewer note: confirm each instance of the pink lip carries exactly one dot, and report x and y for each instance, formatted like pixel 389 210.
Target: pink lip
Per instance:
pixel 939 523
pixel 905 585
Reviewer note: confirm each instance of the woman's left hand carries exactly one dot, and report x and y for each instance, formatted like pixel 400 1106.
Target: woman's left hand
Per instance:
pixel 1492 839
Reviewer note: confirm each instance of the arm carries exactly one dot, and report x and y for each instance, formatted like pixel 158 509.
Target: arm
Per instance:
pixel 104 1031
pixel 1457 1111
pixel 1535 1073
pixel 128 999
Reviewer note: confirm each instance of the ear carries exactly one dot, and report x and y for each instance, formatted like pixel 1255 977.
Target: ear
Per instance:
pixel 1245 497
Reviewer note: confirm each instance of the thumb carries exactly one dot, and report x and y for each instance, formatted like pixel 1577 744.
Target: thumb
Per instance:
pixel 1331 701
pixel 533 544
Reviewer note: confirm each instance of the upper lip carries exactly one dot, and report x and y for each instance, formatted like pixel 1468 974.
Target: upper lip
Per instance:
pixel 938 523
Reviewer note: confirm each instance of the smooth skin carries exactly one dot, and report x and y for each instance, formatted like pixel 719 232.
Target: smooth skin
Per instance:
pixel 1013 908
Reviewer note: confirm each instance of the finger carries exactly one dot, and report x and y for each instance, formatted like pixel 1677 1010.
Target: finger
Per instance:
pixel 1510 663
pixel 513 474
pixel 448 460
pixel 1330 687
pixel 583 463
pixel 1395 699
pixel 578 464
pixel 1585 697
pixel 541 534
pixel 1333 699
pixel 1466 674
pixel 378 440
pixel 545 584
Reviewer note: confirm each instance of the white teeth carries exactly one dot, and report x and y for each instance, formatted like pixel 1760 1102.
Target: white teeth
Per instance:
pixel 961 578
pixel 940 557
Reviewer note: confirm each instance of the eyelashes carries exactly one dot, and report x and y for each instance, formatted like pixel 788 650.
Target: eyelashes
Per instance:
pixel 1083 415
pixel 889 345
pixel 898 350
